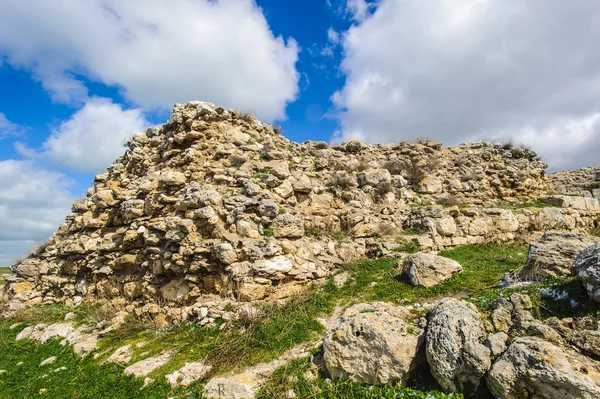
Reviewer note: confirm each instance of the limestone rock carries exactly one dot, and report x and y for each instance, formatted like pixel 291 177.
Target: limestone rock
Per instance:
pixel 189 373
pixel 146 366
pixel 588 340
pixel 428 269
pixel 275 265
pixel 534 368
pixel 83 340
pixel 121 355
pixel 587 267
pixel 575 202
pixel 175 289
pixel 496 343
pixel 45 332
pixel 553 255
pixel 50 360
pixel 373 344
pixel 455 352
pixel 172 178
pixel 289 226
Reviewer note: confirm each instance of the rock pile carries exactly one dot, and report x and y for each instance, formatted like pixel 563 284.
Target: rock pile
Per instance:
pixel 583 182
pixel 379 343
pixel 216 204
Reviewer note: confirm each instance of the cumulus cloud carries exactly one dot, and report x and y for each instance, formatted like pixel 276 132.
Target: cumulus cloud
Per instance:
pixel 33 203
pixel 158 52
pixel 7 128
pixel 455 70
pixel 92 139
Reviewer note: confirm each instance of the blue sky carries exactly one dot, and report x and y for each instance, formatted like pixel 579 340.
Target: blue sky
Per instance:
pixel 76 78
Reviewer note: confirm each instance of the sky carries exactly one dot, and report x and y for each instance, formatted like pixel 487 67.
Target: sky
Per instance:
pixel 79 77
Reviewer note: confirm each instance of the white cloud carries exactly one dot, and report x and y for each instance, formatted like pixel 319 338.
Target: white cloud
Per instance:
pixel 453 70
pixel 158 52
pixel 7 128
pixel 333 36
pixel 92 139
pixel 33 203
pixel 359 9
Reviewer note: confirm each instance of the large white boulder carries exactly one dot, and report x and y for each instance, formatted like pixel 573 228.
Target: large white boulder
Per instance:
pixel 428 270
pixel 534 368
pixel 455 352
pixel 373 344
pixel 553 255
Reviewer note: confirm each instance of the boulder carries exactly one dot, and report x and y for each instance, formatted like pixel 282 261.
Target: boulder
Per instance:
pixel 553 255
pixel 28 268
pixel 455 352
pixel 373 344
pixel 428 269
pixel 534 368
pixel 289 226
pixel 574 202
pixel 430 185
pixel 588 340
pixel 172 178
pixel 148 365
pixel 175 289
pixel 587 267
pixel 273 266
pixel 189 373
pixel 44 332
pixel 121 355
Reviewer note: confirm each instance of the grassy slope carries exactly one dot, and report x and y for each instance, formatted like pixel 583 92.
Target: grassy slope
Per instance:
pixel 251 340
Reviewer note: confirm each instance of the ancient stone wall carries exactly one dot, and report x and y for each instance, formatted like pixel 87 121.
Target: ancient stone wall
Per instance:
pixel 215 204
pixel 584 182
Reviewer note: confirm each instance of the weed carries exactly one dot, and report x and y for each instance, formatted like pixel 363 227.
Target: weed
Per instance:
pixel 407 246
pixel 268 232
pixel 247 115
pixel 313 231
pixel 298 376
pixel 422 140
pixel 340 236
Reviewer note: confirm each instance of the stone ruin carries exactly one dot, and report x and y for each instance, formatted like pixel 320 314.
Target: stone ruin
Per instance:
pixel 215 206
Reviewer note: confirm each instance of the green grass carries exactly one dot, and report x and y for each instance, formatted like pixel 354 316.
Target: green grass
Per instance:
pixel 250 340
pixel 83 378
pixel 293 377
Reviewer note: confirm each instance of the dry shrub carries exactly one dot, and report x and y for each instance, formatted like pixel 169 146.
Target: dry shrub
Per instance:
pixel 422 140
pixel 413 169
pixel 278 129
pixel 247 115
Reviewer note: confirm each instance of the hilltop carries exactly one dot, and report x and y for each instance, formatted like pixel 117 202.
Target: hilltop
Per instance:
pixel 216 222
